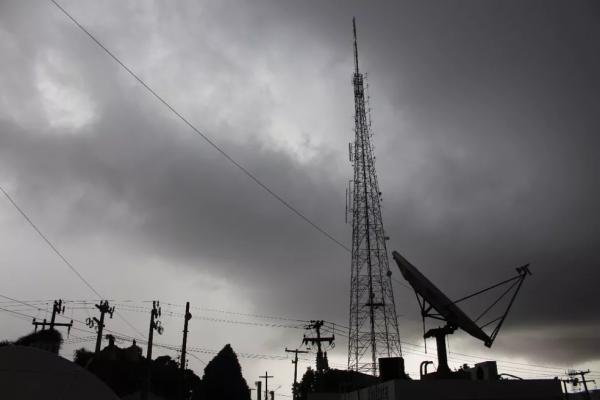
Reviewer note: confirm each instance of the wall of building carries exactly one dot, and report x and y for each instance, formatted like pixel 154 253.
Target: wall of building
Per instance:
pixel 460 389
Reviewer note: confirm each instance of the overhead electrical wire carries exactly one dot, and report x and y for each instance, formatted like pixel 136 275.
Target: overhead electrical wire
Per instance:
pixel 22 302
pixel 208 140
pixel 335 328
pixel 540 371
pixel 197 358
pixel 29 317
pixel 222 320
pixel 16 313
pixel 239 313
pixel 49 243
pixel 60 254
pixel 123 336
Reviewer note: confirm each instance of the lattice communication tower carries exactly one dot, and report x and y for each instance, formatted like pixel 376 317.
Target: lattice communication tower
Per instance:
pixel 373 331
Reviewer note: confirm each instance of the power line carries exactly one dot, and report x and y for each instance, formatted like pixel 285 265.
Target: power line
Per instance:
pixel 198 358
pixel 340 332
pixel 17 313
pixel 121 336
pixel 240 313
pixel 28 301
pixel 334 328
pixel 22 302
pixel 60 255
pixel 28 317
pixel 49 243
pixel 221 320
pixel 202 135
pixel 414 352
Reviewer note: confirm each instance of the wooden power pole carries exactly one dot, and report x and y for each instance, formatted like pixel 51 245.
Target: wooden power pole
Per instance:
pixel 316 325
pixel 295 362
pixel 182 362
pixel 104 308
pixel 266 376
pixel 572 374
pixel 57 308
pixel 154 325
pixel 187 317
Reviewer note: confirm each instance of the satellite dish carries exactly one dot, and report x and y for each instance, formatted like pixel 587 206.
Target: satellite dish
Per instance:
pixel 439 301
pixel 431 298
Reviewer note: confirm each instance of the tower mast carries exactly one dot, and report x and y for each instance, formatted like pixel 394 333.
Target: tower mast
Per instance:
pixel 373 331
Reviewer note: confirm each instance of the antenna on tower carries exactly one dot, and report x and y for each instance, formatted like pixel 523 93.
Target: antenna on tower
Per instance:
pixel 355 46
pixel 373 328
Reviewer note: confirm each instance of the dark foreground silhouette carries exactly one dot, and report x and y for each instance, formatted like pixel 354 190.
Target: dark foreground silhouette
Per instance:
pixel 124 370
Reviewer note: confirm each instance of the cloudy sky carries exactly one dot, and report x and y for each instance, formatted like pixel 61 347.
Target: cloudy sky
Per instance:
pixel 485 119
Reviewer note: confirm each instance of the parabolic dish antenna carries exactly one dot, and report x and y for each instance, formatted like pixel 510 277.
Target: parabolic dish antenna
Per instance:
pixel 439 301
pixel 435 304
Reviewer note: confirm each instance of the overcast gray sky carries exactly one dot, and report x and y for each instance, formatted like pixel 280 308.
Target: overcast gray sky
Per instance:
pixel 485 119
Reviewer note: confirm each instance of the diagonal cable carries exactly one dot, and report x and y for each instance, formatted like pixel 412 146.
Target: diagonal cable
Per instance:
pixel 60 255
pixel 202 135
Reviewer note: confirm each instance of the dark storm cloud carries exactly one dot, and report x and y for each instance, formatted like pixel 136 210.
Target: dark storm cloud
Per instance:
pixel 188 203
pixel 486 131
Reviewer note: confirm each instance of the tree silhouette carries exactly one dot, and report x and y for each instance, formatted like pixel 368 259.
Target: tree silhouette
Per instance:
pixel 121 373
pixel 46 339
pixel 124 371
pixel 223 378
pixel 307 384
pixel 333 381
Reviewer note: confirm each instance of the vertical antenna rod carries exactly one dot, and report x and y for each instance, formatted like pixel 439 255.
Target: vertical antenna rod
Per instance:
pixel 355 46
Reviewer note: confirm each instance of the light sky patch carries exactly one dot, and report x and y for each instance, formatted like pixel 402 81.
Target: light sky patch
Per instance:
pixel 65 102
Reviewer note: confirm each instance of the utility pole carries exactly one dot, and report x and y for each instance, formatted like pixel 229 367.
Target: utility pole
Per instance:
pixel 572 374
pixel 316 325
pixel 266 376
pixel 57 308
pixel 104 308
pixel 564 382
pixel 295 362
pixel 187 317
pixel 182 362
pixel 154 325
pixel 258 390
